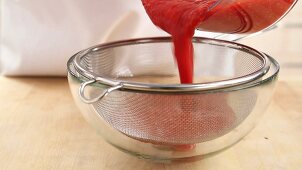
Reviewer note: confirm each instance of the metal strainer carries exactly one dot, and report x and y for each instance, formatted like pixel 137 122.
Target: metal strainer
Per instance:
pixel 133 85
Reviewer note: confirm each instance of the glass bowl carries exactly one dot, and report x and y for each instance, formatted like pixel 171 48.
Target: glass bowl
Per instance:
pixel 151 116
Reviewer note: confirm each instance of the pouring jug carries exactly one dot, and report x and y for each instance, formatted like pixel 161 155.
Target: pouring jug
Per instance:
pixel 245 17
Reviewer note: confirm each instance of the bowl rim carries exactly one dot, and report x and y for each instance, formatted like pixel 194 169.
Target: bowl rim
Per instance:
pixel 170 88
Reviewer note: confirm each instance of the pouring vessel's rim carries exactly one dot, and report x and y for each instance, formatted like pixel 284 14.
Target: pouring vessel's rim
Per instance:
pixel 174 88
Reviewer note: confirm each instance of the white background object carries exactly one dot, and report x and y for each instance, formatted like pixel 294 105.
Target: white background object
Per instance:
pixel 38 36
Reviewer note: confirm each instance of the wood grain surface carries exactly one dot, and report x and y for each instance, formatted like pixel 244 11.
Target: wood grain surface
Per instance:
pixel 41 128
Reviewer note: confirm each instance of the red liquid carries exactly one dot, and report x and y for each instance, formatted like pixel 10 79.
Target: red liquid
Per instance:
pixel 180 18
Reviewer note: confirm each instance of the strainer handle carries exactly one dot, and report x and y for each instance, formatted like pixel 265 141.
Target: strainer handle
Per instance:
pixel 99 97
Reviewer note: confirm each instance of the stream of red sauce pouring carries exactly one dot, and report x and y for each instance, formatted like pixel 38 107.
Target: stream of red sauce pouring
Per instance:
pixel 180 18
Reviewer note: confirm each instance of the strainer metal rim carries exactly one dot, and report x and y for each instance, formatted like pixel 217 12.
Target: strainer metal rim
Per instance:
pixel 273 75
pixel 126 85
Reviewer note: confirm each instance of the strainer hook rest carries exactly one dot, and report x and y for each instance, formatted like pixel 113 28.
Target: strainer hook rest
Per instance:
pixel 100 96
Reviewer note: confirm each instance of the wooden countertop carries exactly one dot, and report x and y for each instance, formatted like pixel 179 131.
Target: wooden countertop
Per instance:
pixel 41 128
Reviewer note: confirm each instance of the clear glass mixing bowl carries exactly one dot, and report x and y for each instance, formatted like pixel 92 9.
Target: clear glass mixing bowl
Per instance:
pixel 155 117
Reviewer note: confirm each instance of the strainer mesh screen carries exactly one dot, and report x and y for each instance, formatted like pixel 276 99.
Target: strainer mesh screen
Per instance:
pixel 175 119
pixel 172 118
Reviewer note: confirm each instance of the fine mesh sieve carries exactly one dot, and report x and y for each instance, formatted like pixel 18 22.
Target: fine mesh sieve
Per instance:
pixel 134 86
